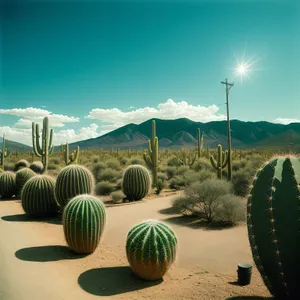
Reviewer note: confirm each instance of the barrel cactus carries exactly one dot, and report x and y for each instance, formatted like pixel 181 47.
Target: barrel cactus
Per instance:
pixel 151 249
pixel 73 180
pixel 273 216
pixel 37 167
pixel 23 163
pixel 7 184
pixel 22 176
pixel 38 196
pixel 84 221
pixel 136 182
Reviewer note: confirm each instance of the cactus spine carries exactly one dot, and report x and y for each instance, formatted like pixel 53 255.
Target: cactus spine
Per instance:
pixel 69 158
pixel 38 196
pixel 46 149
pixel 136 182
pixel 3 154
pixel 273 214
pixel 151 158
pixel 151 249
pixel 22 176
pixel 84 220
pixel 7 184
pixel 222 160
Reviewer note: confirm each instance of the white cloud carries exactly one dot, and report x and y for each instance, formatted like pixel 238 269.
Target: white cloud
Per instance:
pixel 167 110
pixel 285 121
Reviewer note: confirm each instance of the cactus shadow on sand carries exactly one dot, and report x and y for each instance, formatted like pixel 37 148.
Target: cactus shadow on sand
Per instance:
pixel 112 281
pixel 55 219
pixel 47 253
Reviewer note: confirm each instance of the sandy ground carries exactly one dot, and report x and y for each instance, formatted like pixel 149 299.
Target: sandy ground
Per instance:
pixel 35 263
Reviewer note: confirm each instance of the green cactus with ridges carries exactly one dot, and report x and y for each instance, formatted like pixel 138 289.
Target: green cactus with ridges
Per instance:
pixel 37 196
pixel 151 248
pixel 23 163
pixel 222 160
pixel 273 215
pixel 47 148
pixel 84 220
pixel 72 181
pixel 136 182
pixel 3 153
pixel 69 158
pixel 7 184
pixel 37 167
pixel 22 176
pixel 151 159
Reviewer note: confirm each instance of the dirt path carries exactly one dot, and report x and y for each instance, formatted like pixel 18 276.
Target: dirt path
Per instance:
pixel 35 263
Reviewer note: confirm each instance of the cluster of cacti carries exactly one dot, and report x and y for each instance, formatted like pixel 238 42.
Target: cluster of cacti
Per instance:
pixel 84 220
pixel 73 180
pixel 7 184
pixel 46 149
pixel 136 182
pixel 37 167
pixel 222 160
pixel 22 176
pixel 69 158
pixel 273 216
pixel 23 163
pixel 38 196
pixel 186 158
pixel 151 158
pixel 151 249
pixel 3 154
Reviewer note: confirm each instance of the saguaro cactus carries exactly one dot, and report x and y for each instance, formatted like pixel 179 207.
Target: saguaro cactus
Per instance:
pixel 3 154
pixel 69 158
pixel 151 158
pixel 222 160
pixel 186 159
pixel 199 143
pixel 273 215
pixel 46 149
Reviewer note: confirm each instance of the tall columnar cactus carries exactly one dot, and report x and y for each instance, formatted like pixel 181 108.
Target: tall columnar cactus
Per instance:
pixel 47 148
pixel 273 216
pixel 199 143
pixel 151 249
pixel 22 176
pixel 222 160
pixel 7 184
pixel 72 181
pixel 3 154
pixel 84 220
pixel 186 159
pixel 69 158
pixel 38 196
pixel 136 182
pixel 151 158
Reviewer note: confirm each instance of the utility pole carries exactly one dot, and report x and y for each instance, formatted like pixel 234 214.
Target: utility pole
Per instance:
pixel 228 87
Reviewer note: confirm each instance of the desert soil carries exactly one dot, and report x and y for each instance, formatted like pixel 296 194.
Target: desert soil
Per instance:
pixel 36 264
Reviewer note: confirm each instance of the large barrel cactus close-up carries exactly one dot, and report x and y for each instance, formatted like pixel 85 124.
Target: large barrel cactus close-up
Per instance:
pixel 151 249
pixel 136 182
pixel 73 180
pixel 7 184
pixel 38 196
pixel 22 176
pixel 84 220
pixel 273 218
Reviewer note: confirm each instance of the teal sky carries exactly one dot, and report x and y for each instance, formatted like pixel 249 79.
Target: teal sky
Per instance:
pixel 72 57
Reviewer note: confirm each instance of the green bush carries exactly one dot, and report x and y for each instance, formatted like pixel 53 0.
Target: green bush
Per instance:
pixel 202 164
pixel 160 186
pixel 241 180
pixel 182 169
pixel 104 188
pixel 109 175
pixel 170 172
pixel 177 183
pixel 137 161
pixel 173 162
pixel 183 205
pixel 113 163
pixel 117 197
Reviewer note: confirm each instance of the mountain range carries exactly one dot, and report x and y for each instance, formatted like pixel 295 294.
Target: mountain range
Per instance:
pixel 182 133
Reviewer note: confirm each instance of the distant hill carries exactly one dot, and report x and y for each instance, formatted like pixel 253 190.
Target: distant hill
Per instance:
pixel 13 146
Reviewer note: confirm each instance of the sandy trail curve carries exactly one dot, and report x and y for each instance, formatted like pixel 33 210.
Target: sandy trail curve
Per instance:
pixel 36 264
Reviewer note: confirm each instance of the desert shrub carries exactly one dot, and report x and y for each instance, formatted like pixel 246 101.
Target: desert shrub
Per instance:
pixel 52 166
pixel 170 172
pixel 173 162
pixel 162 176
pixel 241 181
pixel 117 197
pixel 109 175
pixel 124 161
pixel 159 186
pixel 95 159
pixel 183 205
pixel 104 188
pixel 119 184
pixel 54 161
pixel 240 164
pixel 177 183
pixel 181 170
pixel 192 176
pixel 137 161
pixel 113 163
pixel 97 169
pixel 202 164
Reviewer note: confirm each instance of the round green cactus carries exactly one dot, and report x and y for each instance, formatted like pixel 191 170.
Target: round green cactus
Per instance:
pixel 23 163
pixel 136 182
pixel 84 221
pixel 7 184
pixel 73 180
pixel 22 176
pixel 273 219
pixel 151 249
pixel 38 196
pixel 37 167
